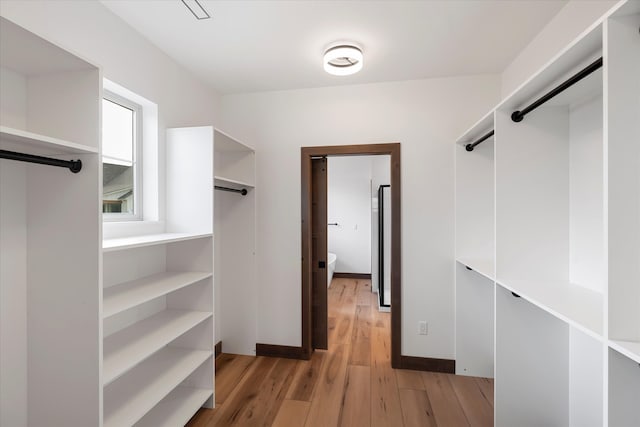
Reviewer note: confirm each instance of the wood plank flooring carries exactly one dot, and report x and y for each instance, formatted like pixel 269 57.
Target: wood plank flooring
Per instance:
pixel 352 384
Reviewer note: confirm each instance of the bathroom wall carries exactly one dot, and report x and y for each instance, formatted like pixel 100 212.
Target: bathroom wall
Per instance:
pixel 349 205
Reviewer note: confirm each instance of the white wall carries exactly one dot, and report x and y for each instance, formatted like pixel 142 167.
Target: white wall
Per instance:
pixel 572 20
pixel 425 116
pixel 349 204
pixel 91 31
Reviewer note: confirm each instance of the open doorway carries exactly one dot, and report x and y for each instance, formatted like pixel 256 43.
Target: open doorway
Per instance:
pixel 314 242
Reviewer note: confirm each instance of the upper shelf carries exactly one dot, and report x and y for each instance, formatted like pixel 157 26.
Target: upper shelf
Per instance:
pixel 32 143
pixel 576 305
pixel 111 245
pixel 231 183
pixel 44 57
pixel 223 142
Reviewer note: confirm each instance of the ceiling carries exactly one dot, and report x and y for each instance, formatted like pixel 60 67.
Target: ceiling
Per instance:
pixel 251 46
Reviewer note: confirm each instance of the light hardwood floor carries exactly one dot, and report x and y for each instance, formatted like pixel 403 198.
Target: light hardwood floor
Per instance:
pixel 352 384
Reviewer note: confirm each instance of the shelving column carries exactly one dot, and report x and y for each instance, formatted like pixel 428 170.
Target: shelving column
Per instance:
pixel 50 233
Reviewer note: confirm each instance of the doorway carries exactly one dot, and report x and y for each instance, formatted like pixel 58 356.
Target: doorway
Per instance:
pixel 314 232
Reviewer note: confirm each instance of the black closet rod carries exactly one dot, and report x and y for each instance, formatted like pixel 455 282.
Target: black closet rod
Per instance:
pixel 470 147
pixel 231 190
pixel 73 165
pixel 517 116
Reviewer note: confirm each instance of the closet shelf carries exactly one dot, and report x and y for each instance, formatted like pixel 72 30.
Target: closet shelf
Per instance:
pixel 130 346
pixel 128 399
pixel 32 143
pixel 578 306
pixel 130 294
pixel 483 266
pixel 631 349
pixel 231 183
pixel 149 240
pixel 177 408
pixel 481 127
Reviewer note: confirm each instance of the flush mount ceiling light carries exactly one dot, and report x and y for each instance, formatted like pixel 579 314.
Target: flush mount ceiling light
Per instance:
pixel 197 9
pixel 343 60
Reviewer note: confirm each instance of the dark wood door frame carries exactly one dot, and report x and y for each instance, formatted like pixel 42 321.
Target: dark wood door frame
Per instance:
pixel 393 150
pixel 319 250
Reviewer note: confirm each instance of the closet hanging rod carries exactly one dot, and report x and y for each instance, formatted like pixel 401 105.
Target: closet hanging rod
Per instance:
pixel 517 116
pixel 73 165
pixel 232 190
pixel 470 147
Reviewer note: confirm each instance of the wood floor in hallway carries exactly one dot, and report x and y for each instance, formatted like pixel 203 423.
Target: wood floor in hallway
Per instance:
pixel 352 384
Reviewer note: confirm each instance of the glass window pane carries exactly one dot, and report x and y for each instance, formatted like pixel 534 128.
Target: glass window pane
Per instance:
pixel 118 144
pixel 117 132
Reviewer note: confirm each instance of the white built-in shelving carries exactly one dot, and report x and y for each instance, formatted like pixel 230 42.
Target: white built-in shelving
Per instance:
pixel 158 300
pixel 622 186
pixel 234 236
pixel 475 250
pixel 548 239
pixel 50 226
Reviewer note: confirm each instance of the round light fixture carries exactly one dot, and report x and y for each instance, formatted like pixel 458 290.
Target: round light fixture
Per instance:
pixel 343 60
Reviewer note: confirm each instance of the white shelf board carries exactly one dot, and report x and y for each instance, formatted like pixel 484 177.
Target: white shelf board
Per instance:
pixel 32 143
pixel 580 307
pixel 478 129
pixel 231 183
pixel 224 142
pixel 177 408
pixel 130 294
pixel 483 266
pixel 149 240
pixel 130 346
pixel 631 349
pixel 127 400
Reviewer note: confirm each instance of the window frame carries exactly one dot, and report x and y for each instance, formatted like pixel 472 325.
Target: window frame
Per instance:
pixel 137 160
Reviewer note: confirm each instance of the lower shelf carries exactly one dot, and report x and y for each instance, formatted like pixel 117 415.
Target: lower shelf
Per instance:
pixel 129 398
pixel 125 349
pixel 177 408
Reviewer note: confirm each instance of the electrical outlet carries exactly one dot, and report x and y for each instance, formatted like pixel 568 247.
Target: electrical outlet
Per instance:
pixel 423 328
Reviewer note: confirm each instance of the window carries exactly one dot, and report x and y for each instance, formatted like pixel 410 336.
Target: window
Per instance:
pixel 121 140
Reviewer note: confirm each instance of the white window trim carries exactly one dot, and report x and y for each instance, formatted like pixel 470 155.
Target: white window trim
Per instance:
pixel 137 160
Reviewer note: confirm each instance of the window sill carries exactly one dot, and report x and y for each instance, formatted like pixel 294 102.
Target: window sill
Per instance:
pixel 123 229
